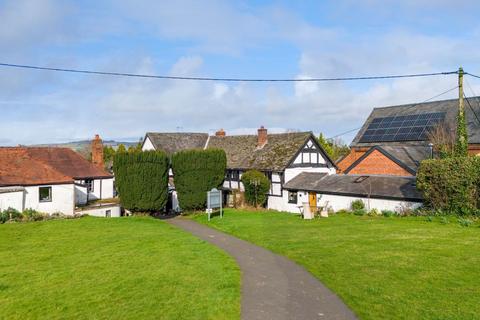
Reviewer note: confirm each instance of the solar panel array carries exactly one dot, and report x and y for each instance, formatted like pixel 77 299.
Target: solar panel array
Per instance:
pixel 414 127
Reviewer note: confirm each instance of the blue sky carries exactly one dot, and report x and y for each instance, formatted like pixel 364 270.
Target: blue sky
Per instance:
pixel 248 39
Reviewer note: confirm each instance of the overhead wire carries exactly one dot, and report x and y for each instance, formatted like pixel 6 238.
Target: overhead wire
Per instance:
pixel 122 74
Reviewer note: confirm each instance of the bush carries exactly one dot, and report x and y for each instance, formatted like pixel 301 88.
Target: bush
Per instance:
pixel 360 212
pixel 195 173
pixel 388 213
pixel 465 222
pixel 451 185
pixel 256 186
pixel 10 214
pixel 32 215
pixel 357 205
pixel 343 211
pixel 141 179
pixel 374 212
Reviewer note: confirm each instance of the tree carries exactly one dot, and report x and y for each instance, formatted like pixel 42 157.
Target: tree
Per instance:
pixel 335 148
pixel 142 179
pixel 195 173
pixel 121 148
pixel 256 186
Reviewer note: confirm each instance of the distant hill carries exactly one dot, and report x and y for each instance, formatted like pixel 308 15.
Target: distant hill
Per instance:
pixel 84 146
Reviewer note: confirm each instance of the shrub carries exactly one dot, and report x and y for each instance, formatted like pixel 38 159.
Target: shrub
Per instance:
pixel 444 220
pixel 360 212
pixel 32 215
pixel 256 186
pixel 374 212
pixel 10 214
pixel 343 211
pixel 388 213
pixel 357 205
pixel 451 185
pixel 195 173
pixel 141 179
pixel 465 222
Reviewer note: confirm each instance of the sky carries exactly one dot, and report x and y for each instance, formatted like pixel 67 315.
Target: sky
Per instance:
pixel 215 38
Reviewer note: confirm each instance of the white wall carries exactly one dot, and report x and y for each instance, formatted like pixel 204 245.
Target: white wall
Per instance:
pixel 337 202
pixel 12 200
pixel 148 145
pixel 102 189
pixel 63 199
pixel 101 211
pixel 281 203
pixel 80 195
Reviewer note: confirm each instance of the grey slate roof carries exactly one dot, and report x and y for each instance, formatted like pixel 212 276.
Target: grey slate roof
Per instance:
pixel 177 141
pixel 375 186
pixel 448 106
pixel 242 151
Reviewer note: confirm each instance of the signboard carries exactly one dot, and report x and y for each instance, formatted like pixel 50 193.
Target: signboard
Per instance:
pixel 214 201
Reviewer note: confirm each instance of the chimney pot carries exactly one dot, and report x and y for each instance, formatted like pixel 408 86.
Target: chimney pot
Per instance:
pixel 220 133
pixel 262 137
pixel 97 151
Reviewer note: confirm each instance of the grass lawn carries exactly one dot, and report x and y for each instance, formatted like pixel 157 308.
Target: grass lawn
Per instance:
pixel 383 268
pixel 119 268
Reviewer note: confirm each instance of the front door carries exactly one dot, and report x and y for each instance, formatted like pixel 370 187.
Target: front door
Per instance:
pixel 312 201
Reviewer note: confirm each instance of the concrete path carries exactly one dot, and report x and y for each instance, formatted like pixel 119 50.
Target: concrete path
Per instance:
pixel 273 287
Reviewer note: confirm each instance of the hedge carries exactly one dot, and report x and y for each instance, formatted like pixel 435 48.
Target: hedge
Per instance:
pixel 196 172
pixel 256 186
pixel 451 184
pixel 141 179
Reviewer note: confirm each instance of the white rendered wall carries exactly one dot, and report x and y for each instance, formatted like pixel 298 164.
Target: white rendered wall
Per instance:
pixel 337 202
pixel 115 211
pixel 148 145
pixel 80 195
pixel 63 199
pixel 11 200
pixel 281 203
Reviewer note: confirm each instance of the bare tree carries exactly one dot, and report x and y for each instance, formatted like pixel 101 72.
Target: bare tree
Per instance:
pixel 443 139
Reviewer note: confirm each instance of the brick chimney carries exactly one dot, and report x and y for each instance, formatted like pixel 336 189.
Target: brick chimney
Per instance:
pixel 220 133
pixel 262 137
pixel 97 151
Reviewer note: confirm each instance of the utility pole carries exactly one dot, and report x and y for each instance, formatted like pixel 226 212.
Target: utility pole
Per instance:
pixel 461 146
pixel 461 107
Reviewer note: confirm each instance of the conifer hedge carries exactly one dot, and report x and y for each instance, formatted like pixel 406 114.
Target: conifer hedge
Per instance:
pixel 451 185
pixel 141 179
pixel 256 186
pixel 196 172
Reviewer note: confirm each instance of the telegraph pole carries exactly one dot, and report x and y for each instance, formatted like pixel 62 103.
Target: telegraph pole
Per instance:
pixel 461 107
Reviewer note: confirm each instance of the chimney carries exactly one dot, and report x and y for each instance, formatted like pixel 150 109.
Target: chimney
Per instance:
pixel 220 133
pixel 97 151
pixel 262 137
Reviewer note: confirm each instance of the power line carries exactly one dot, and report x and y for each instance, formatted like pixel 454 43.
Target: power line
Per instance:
pixel 471 74
pixel 470 106
pixel 121 74
pixel 414 105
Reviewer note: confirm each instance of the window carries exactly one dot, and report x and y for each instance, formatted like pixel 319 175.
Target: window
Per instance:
pixel 45 194
pixel 292 197
pixel 108 213
pixel 89 184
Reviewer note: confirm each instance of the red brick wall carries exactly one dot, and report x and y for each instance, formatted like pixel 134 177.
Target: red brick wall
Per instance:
pixel 377 163
pixel 350 158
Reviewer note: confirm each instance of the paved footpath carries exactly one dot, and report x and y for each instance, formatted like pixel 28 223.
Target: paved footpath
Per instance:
pixel 273 287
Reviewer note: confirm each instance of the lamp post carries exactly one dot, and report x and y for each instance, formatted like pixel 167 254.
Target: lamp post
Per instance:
pixel 430 145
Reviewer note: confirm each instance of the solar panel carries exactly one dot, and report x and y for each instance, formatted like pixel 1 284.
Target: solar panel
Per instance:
pixel 414 127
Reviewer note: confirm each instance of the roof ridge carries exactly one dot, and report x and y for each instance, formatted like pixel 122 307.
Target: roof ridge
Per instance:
pixel 420 103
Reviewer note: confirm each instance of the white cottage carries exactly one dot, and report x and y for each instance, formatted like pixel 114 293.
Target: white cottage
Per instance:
pixel 50 180
pixel 280 156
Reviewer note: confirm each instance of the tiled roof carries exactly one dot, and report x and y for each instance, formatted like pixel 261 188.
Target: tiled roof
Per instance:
pixel 450 107
pixel 177 141
pixel 386 187
pixel 242 151
pixel 23 166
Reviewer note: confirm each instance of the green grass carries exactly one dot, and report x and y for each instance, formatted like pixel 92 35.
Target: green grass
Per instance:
pixel 383 268
pixel 123 268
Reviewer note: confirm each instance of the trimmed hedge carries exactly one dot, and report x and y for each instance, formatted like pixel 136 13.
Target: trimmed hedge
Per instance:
pixel 256 186
pixel 195 173
pixel 141 179
pixel 451 184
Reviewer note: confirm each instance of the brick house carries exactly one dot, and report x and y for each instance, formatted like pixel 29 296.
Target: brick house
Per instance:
pixel 394 140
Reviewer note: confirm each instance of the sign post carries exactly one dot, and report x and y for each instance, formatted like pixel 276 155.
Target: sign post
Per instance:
pixel 214 201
